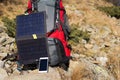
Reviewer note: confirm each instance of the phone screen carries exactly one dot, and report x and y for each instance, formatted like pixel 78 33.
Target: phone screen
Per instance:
pixel 43 65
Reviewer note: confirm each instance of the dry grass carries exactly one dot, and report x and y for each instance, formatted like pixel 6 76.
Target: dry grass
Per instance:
pixel 114 64
pixel 81 73
pixel 86 12
pixel 11 9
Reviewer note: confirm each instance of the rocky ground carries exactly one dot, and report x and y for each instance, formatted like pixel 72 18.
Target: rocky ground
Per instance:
pixel 81 66
pixel 6 42
pixel 98 59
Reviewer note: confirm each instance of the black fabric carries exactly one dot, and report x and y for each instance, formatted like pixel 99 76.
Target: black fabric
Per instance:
pixel 66 25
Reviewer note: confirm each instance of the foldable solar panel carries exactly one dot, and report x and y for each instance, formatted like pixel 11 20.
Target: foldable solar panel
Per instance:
pixel 31 37
pixel 34 23
pixel 31 50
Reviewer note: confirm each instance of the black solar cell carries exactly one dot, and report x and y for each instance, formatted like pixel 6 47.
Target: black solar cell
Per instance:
pixel 32 49
pixel 34 23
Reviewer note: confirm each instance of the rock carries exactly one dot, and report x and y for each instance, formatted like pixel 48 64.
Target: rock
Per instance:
pixel 97 72
pixel 3 49
pixel 2 40
pixel 12 47
pixel 3 74
pixel 76 56
pixel 92 41
pixel 115 40
pixel 1 30
pixel 9 41
pixel 3 54
pixel 78 13
pixel 1 64
pixel 102 60
pixel 95 48
pixel 105 44
pixel 116 30
pixel 91 29
pixel 53 74
pixel 88 46
pixel 4 34
pixel 84 41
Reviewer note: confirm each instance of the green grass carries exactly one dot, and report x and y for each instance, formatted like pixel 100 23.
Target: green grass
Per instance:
pixel 77 35
pixel 10 25
pixel 113 11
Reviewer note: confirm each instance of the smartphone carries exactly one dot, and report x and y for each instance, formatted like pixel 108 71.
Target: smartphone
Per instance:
pixel 43 64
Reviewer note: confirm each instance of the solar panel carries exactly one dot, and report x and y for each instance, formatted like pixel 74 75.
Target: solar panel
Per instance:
pixel 30 50
pixel 34 23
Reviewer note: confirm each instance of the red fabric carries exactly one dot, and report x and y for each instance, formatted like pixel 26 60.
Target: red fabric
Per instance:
pixel 59 34
pixel 29 6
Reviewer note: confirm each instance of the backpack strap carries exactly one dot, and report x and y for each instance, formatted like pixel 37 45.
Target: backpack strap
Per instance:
pixel 64 23
pixel 57 16
pixel 32 6
pixel 35 5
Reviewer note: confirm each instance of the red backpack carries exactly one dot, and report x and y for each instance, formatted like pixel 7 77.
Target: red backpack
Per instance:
pixel 57 29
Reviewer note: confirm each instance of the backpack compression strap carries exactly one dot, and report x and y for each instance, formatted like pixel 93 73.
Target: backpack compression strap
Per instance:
pixel 32 7
pixel 61 20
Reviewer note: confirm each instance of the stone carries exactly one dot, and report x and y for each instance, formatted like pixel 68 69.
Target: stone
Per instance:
pixel 95 48
pixel 3 54
pixel 92 41
pixel 100 73
pixel 1 30
pixel 78 13
pixel 102 60
pixel 88 46
pixel 3 74
pixel 3 49
pixel 105 44
pixel 91 29
pixel 2 40
pixel 76 56
pixel 9 41
pixel 12 47
pixel 84 41
pixel 53 74
pixel 1 64
pixel 4 34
